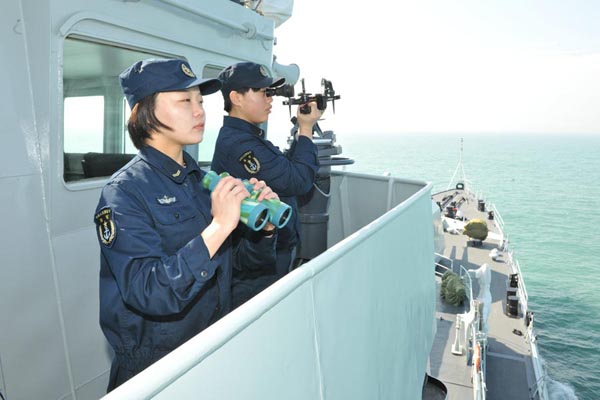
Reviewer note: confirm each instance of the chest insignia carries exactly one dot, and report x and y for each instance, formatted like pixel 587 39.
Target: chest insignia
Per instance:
pixel 105 226
pixel 166 200
pixel 250 162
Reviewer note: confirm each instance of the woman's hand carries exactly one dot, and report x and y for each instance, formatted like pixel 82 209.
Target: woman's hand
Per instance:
pixel 226 199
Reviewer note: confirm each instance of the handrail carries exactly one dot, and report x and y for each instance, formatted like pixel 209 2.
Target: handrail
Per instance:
pixel 498 220
pixel 541 390
pixel 522 287
pixel 464 272
pixel 437 264
pixel 517 269
pixel 247 29
pixel 479 367
pixel 479 384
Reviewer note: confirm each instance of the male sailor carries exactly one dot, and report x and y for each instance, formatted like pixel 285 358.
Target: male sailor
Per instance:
pixel 242 151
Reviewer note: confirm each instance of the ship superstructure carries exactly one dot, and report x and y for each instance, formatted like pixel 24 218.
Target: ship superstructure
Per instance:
pixel 355 322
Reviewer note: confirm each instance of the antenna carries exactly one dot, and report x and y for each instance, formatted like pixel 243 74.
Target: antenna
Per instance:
pixel 459 166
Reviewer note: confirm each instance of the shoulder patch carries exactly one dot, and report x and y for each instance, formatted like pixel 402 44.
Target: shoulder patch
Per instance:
pixel 250 162
pixel 105 226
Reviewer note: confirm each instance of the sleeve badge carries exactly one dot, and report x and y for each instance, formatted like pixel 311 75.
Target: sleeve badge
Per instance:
pixel 250 162
pixel 105 226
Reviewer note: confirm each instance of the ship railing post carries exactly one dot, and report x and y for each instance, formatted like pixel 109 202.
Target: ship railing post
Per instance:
pixel 456 347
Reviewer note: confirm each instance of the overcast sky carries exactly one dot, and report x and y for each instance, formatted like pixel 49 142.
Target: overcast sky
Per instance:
pixel 450 66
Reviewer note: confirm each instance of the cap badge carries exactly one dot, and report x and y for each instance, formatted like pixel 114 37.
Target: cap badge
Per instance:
pixel 105 226
pixel 187 71
pixel 263 70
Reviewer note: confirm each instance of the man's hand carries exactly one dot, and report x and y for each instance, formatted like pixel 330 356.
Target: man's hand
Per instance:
pixel 307 121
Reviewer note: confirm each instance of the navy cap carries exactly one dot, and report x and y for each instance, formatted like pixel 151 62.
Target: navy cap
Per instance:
pixel 247 75
pixel 150 76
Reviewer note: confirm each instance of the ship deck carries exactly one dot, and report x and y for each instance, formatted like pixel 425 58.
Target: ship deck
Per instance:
pixel 509 369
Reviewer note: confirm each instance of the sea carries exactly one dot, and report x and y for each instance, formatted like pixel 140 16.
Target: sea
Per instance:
pixel 547 190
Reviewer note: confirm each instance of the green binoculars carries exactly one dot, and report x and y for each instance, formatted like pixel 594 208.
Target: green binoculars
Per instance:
pixel 253 213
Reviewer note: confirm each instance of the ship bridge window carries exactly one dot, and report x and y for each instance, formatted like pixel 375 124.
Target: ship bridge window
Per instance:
pixel 83 123
pixel 95 113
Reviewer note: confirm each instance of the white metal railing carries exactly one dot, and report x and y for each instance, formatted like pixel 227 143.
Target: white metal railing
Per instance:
pixel 540 390
pixel 468 283
pixel 516 267
pixel 248 29
pixel 478 352
pixel 540 386
pixel 478 368
pixel 476 345
pixel 442 266
pixel 475 340
pixel 498 220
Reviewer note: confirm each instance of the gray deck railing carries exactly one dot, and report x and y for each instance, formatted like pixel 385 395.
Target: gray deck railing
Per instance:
pixel 472 332
pixel 541 391
pixel 442 266
pixel 497 218
pixel 468 283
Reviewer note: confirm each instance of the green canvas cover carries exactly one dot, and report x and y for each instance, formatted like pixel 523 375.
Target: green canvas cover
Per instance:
pixel 453 289
pixel 476 229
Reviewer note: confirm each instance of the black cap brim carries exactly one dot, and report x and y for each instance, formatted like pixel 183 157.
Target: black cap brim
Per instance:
pixel 269 82
pixel 277 82
pixel 210 86
pixel 264 83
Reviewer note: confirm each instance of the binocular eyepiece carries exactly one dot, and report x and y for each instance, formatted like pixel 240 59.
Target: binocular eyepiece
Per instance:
pixel 254 214
pixel 283 90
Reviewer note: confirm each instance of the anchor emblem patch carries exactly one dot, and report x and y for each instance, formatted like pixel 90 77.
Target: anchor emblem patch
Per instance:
pixel 250 162
pixel 105 226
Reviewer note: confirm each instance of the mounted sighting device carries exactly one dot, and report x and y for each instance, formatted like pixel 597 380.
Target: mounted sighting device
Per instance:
pixel 304 98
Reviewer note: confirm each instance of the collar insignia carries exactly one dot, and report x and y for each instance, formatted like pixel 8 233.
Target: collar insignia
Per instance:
pixel 105 226
pixel 166 200
pixel 250 162
pixel 176 174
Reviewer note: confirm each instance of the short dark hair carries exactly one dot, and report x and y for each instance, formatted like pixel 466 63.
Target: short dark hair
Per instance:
pixel 227 102
pixel 143 121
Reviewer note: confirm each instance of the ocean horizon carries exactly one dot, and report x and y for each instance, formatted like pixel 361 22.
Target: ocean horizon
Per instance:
pixel 545 188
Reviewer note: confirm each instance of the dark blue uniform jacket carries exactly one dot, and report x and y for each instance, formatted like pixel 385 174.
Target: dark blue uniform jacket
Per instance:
pixel 242 151
pixel 158 285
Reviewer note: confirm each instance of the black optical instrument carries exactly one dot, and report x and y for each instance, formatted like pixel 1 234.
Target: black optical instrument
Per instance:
pixel 320 98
